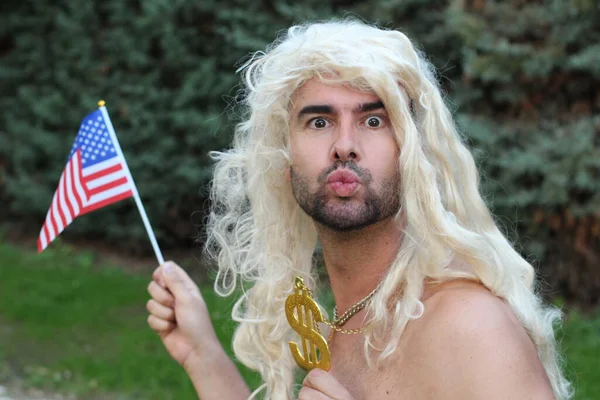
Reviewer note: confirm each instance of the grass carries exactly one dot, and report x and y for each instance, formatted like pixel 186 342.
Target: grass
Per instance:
pixel 580 342
pixel 70 325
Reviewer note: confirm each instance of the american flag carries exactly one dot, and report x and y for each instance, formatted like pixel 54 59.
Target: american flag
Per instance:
pixel 96 175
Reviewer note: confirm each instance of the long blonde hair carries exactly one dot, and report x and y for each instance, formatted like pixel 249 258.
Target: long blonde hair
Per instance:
pixel 261 239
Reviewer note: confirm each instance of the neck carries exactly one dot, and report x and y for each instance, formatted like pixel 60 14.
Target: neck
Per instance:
pixel 357 261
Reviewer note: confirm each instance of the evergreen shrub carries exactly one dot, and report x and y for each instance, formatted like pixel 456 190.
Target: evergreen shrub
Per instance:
pixel 521 75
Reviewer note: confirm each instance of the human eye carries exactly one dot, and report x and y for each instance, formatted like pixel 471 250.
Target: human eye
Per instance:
pixel 375 121
pixel 318 123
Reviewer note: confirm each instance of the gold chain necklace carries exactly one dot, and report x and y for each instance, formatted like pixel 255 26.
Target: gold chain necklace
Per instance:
pixel 337 323
pixel 352 311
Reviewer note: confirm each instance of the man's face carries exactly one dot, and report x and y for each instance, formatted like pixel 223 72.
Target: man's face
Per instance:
pixel 344 171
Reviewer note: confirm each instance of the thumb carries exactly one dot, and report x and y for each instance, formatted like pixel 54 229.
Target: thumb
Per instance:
pixel 178 281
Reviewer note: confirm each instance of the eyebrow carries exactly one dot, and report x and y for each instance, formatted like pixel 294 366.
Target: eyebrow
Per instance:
pixel 366 107
pixel 315 109
pixel 327 109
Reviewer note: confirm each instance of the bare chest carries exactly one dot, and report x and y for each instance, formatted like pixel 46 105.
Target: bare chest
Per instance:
pixel 401 376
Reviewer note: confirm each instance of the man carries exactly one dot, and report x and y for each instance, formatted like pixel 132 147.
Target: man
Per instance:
pixel 346 140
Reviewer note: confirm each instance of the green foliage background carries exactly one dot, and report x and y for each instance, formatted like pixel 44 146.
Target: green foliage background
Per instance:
pixel 522 75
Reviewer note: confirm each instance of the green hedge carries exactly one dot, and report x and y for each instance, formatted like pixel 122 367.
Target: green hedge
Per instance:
pixel 523 77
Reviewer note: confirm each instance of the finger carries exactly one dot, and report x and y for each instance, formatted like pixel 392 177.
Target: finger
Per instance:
pixel 158 277
pixel 162 312
pixel 161 295
pixel 325 383
pixel 308 393
pixel 178 281
pixel 160 325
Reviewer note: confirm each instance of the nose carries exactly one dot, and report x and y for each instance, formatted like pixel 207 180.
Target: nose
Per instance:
pixel 345 146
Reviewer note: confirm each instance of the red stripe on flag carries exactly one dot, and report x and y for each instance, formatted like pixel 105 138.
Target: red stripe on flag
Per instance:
pixel 66 198
pixel 46 229
pixel 74 195
pixel 55 214
pixel 47 235
pixel 103 172
pixel 60 200
pixel 108 186
pixel 105 202
pixel 53 218
pixel 59 211
pixel 77 181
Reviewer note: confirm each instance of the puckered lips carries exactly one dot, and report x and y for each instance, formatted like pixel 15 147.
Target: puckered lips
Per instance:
pixel 343 183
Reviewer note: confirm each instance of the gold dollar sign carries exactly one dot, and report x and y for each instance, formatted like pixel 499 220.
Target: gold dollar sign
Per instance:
pixel 303 313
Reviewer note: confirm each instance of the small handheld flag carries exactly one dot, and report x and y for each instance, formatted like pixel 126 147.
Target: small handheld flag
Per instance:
pixel 95 176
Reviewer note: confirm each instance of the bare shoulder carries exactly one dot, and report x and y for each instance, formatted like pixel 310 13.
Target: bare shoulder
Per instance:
pixel 467 307
pixel 476 347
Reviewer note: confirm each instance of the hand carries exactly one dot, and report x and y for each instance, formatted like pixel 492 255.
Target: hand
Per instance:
pixel 179 314
pixel 321 385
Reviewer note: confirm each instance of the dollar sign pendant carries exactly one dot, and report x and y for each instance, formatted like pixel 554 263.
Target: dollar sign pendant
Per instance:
pixel 303 313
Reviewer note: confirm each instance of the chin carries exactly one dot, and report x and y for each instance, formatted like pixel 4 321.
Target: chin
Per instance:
pixel 345 220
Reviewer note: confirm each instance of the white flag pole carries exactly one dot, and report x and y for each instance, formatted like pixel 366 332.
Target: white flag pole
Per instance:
pixel 136 195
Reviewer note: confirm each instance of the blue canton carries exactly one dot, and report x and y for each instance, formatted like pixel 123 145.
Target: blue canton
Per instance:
pixel 94 141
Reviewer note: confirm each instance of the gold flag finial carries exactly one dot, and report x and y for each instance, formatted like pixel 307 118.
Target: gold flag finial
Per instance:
pixel 101 103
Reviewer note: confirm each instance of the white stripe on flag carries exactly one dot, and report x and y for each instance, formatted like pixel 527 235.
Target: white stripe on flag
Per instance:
pixel 106 179
pixel 77 179
pixel 56 215
pixel 62 201
pixel 43 240
pixel 102 165
pixel 109 193
pixel 48 225
pixel 70 194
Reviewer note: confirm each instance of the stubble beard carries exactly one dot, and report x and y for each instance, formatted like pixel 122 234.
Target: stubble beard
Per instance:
pixel 381 200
